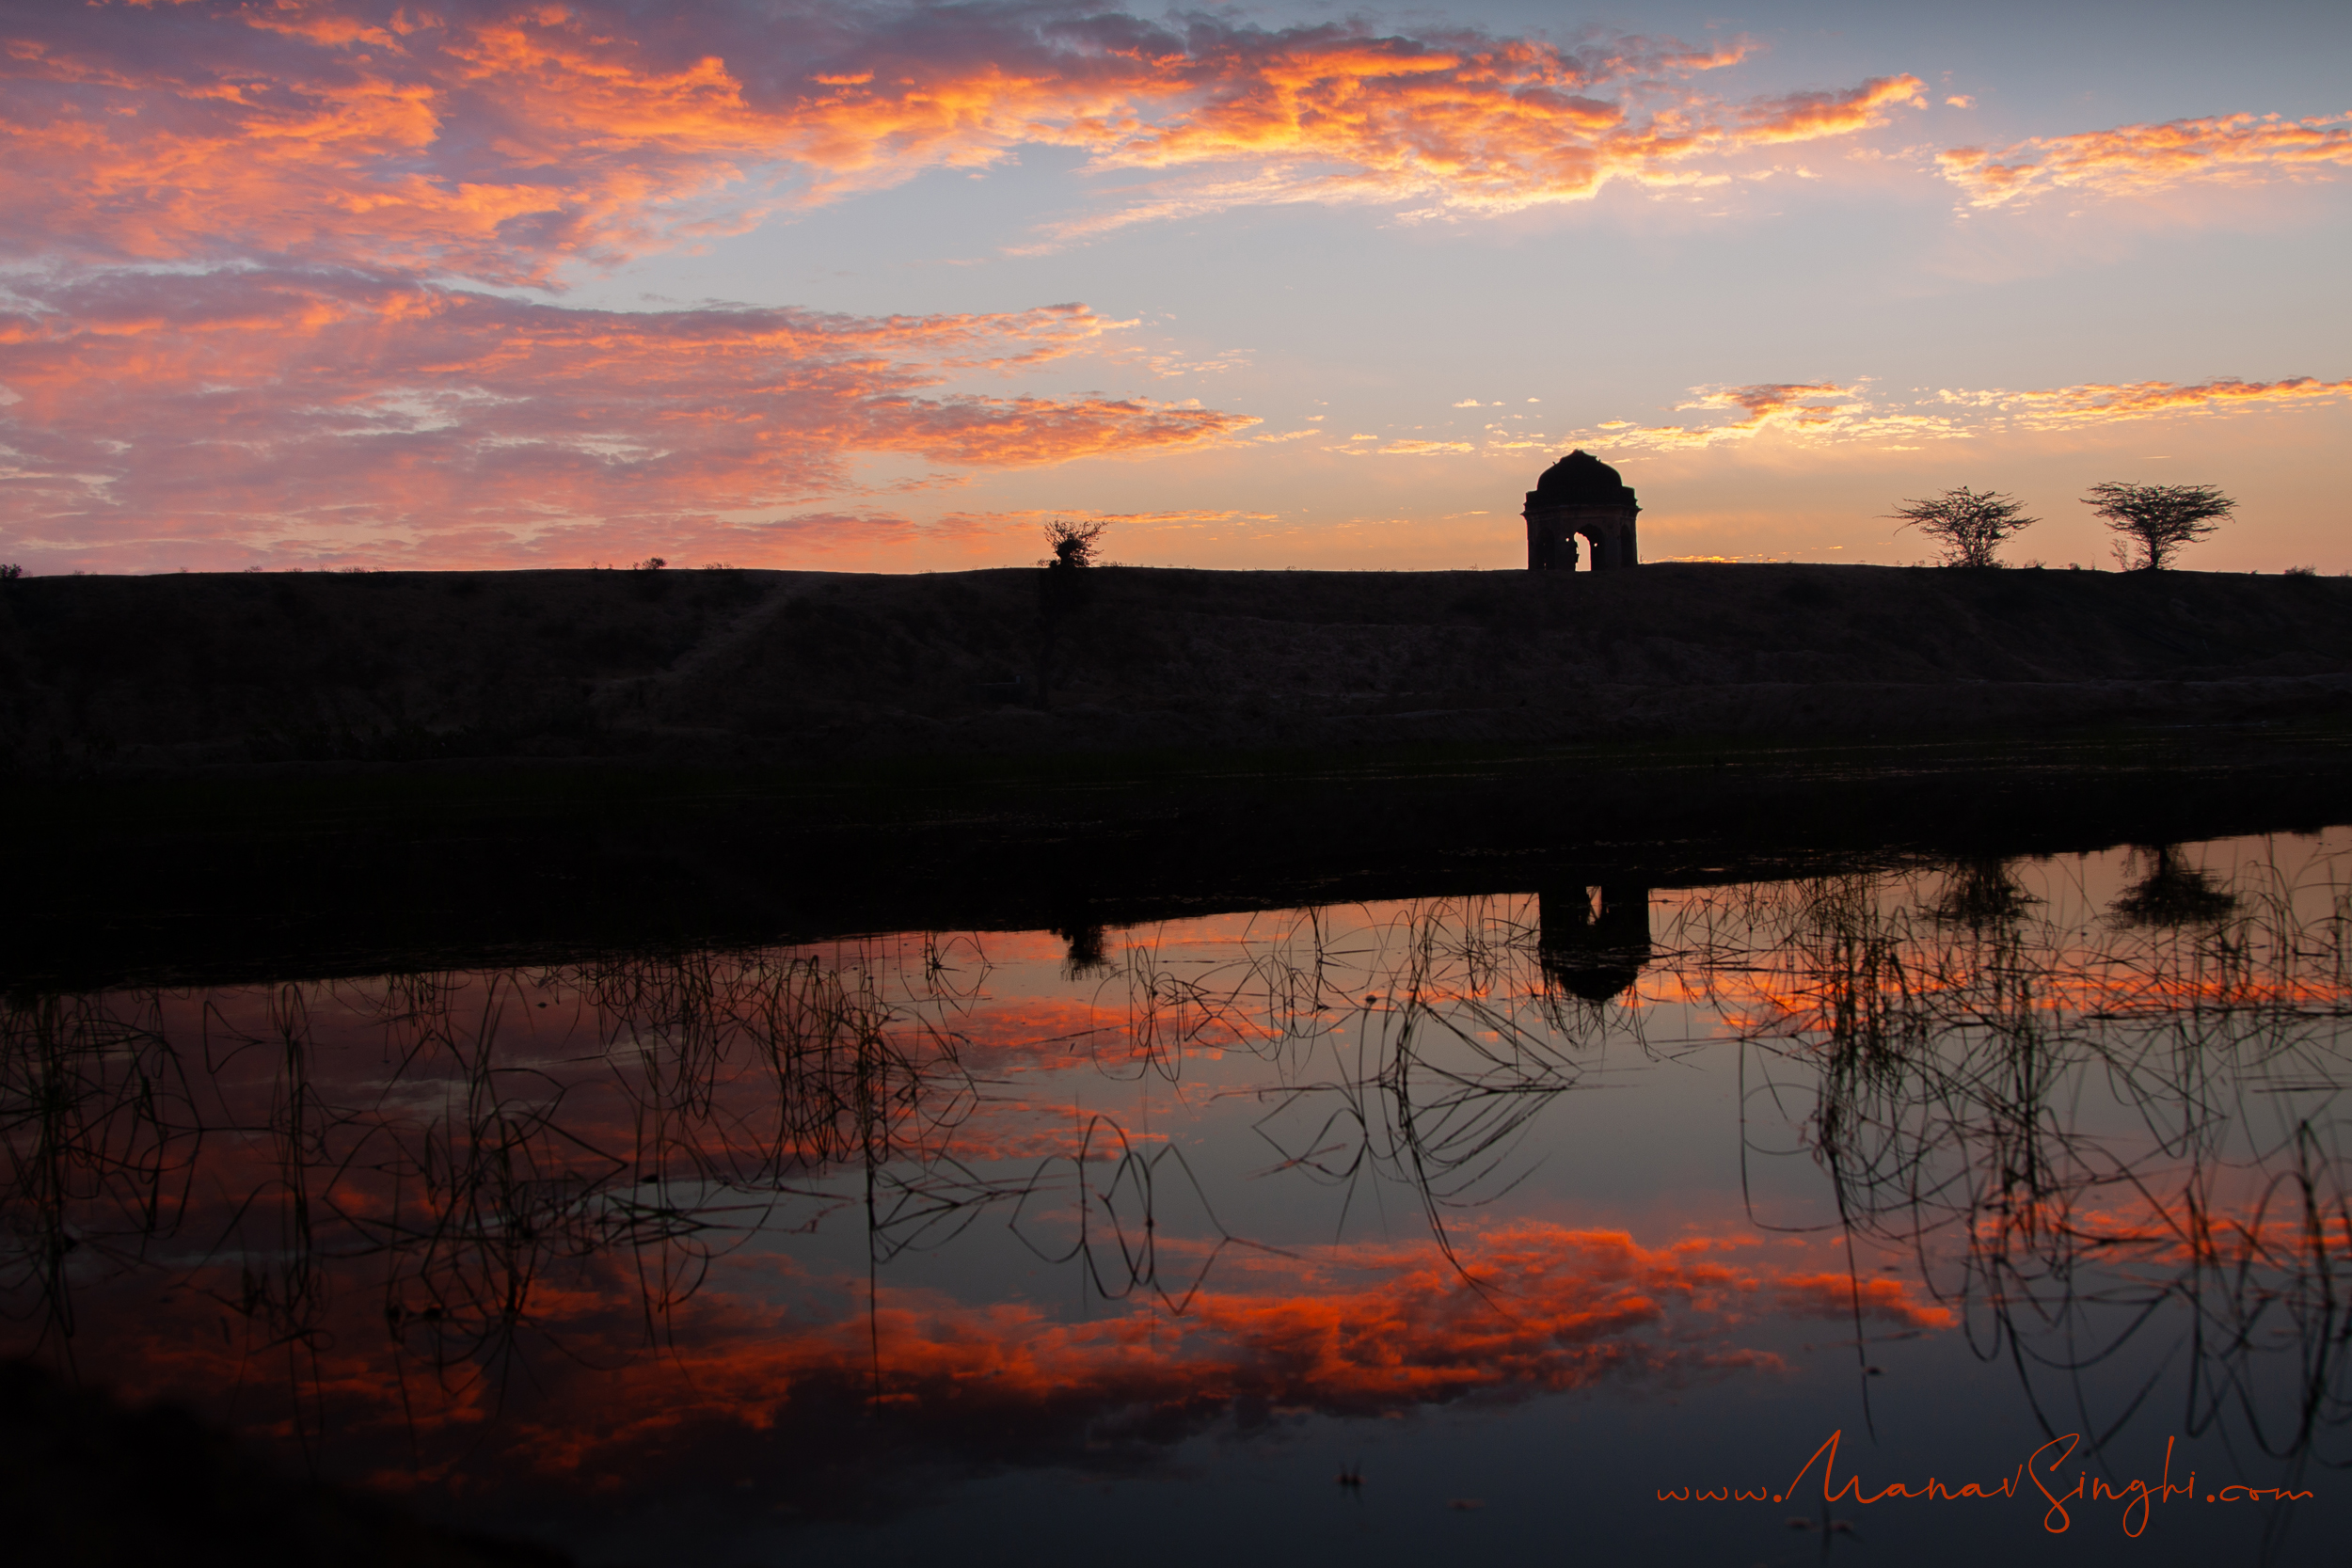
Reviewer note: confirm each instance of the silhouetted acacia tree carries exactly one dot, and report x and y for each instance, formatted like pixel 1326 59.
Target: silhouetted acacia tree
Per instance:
pixel 1968 526
pixel 1072 544
pixel 2156 520
pixel 1062 591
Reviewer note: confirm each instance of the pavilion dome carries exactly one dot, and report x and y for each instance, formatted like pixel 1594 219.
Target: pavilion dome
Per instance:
pixel 1581 477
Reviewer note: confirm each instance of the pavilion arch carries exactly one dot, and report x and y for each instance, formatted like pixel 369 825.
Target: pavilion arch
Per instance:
pixel 1581 495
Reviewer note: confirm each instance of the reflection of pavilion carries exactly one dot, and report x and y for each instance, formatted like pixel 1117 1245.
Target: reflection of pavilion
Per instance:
pixel 1594 942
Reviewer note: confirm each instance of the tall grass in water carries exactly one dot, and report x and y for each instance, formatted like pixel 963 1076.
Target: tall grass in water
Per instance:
pixel 2107 1129
pixel 1932 1036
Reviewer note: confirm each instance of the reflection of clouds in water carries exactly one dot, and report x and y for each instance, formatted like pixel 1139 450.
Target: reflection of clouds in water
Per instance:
pixel 622 1210
pixel 2105 1123
pixel 1364 1330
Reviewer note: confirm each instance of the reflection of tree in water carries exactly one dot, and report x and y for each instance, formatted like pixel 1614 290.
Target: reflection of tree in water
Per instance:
pixel 1941 1028
pixel 139 1135
pixel 1951 1062
pixel 2171 892
pixel 481 1169
pixel 1083 959
pixel 1982 892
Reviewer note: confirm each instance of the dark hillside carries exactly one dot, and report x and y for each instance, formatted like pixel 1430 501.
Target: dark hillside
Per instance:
pixel 132 676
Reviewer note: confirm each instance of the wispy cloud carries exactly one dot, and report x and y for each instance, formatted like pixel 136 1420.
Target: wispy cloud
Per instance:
pixel 1408 449
pixel 1806 410
pixel 2097 402
pixel 1822 411
pixel 1171 366
pixel 2136 159
pixel 246 405
pixel 235 224
pixel 494 147
pixel 503 142
pixel 1491 129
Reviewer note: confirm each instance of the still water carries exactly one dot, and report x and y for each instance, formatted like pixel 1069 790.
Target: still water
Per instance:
pixel 1580 1221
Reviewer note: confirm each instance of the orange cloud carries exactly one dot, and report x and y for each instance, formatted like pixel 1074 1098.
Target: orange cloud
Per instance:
pixel 1825 411
pixel 501 142
pixel 1479 132
pixel 1816 411
pixel 493 148
pixel 1409 448
pixel 2135 159
pixel 2098 403
pixel 376 418
pixel 1811 115
pixel 332 163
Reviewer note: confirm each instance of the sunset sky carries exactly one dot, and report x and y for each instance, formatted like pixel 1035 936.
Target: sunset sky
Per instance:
pixel 885 287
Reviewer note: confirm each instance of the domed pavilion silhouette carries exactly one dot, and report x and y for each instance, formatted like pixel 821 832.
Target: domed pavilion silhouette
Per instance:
pixel 1581 493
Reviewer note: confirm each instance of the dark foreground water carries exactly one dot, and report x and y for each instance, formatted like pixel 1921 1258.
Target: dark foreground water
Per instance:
pixel 1946 1213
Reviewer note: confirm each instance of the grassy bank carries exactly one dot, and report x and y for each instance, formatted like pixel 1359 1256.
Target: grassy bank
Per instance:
pixel 175 676
pixel 313 773
pixel 355 868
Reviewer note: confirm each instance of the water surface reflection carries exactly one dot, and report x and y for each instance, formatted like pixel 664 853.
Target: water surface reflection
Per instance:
pixel 738 1251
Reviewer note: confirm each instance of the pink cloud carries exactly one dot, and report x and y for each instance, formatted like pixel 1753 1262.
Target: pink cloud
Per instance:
pixel 365 415
pixel 321 394
pixel 1827 411
pixel 2101 403
pixel 501 142
pixel 1806 410
pixel 2137 159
